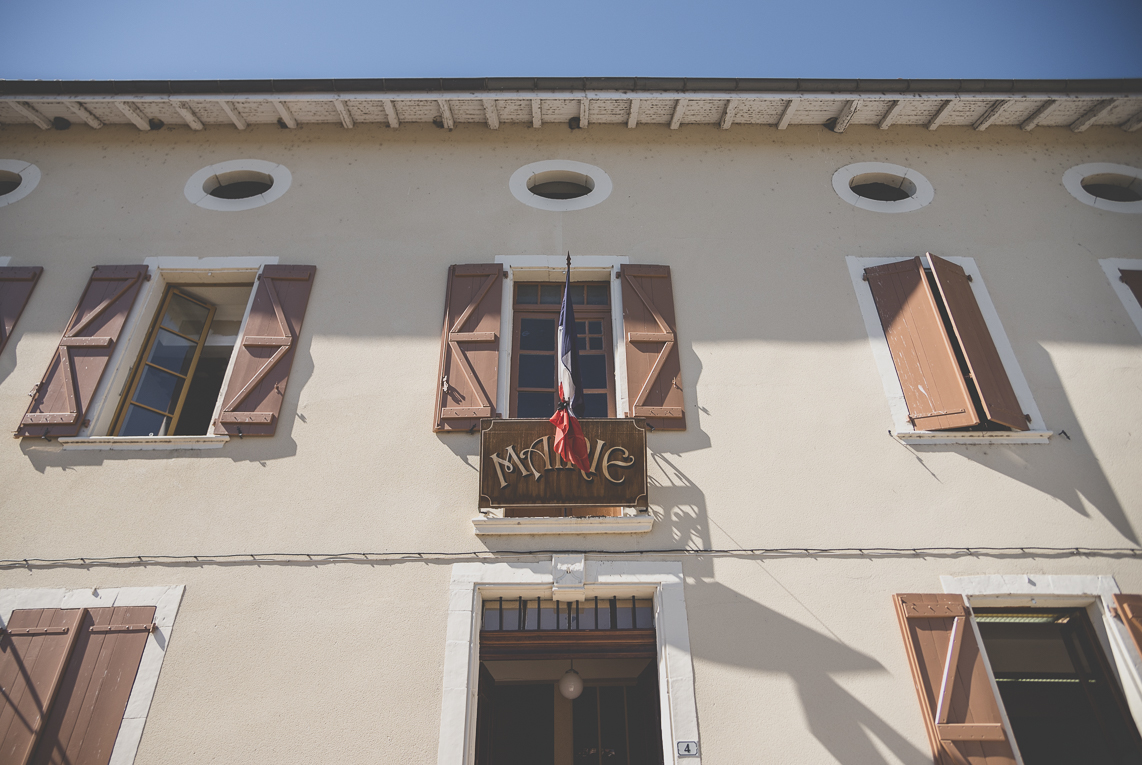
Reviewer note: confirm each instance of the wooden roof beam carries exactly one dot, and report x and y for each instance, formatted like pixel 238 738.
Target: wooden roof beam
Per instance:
pixel 632 120
pixel 30 112
pixel 1096 111
pixel 1042 113
pixel 891 115
pixel 135 114
pixel 343 112
pixel 491 114
pixel 1133 123
pixel 787 114
pixel 940 114
pixel 391 113
pixel 234 115
pixel 731 110
pixel 184 111
pixel 287 116
pixel 679 110
pixel 446 114
pixel 992 114
pixel 84 114
pixel 846 116
pixel 536 113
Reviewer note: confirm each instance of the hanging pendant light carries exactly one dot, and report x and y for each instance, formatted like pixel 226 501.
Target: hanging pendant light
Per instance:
pixel 571 684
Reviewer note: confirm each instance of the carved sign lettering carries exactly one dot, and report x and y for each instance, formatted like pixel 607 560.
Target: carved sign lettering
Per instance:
pixel 519 466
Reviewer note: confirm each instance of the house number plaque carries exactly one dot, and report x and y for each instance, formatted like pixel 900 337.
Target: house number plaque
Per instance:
pixel 519 466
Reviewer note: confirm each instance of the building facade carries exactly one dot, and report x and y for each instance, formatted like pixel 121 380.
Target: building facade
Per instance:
pixel 882 340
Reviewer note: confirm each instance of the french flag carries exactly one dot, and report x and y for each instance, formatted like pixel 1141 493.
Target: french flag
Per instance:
pixel 570 444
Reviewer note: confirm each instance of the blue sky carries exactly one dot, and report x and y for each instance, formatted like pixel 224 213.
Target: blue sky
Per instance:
pixel 232 39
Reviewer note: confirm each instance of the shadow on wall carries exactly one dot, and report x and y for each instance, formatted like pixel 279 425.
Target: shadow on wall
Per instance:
pixel 843 724
pixel 1050 468
pixel 48 454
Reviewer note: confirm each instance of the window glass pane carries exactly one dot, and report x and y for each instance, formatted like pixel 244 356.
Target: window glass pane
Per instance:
pixel 596 343
pixel 576 295
pixel 172 352
pixel 598 294
pixel 535 404
pixel 551 294
pixel 595 327
pixel 186 317
pixel 595 405
pixel 581 342
pixel 536 371
pixel 158 389
pixel 593 370
pixel 527 294
pixel 580 328
pixel 143 422
pixel 537 334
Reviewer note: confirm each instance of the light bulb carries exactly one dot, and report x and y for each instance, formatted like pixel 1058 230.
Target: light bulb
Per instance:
pixel 571 685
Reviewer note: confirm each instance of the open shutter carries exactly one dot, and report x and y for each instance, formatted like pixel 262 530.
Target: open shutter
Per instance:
pixel 654 372
pixel 469 347
pixel 253 397
pixel 995 391
pixel 34 650
pixel 85 718
pixel 957 698
pixel 1133 280
pixel 62 397
pixel 925 360
pixel 1130 611
pixel 16 285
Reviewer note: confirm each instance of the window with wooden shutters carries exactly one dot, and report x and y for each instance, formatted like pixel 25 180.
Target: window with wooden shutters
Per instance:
pixel 16 285
pixel 62 397
pixel 653 366
pixel 67 676
pixel 469 347
pixel 946 359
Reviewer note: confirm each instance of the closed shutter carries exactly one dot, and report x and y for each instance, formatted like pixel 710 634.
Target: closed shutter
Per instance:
pixel 995 392
pixel 34 650
pixel 925 360
pixel 1133 280
pixel 959 704
pixel 469 347
pixel 86 715
pixel 654 372
pixel 1130 611
pixel 16 285
pixel 253 397
pixel 62 397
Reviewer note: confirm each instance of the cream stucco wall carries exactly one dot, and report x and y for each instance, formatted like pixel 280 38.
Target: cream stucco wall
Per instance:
pixel 787 444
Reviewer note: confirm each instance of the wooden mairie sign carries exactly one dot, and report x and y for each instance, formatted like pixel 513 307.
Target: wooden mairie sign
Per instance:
pixel 519 466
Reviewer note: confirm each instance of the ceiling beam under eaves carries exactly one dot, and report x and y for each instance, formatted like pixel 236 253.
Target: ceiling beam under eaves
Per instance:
pixel 632 119
pixel 343 112
pixel 391 113
pixel 1042 113
pixel 30 112
pixel 536 113
pixel 728 117
pixel 940 114
pixel 84 114
pixel 1133 123
pixel 234 115
pixel 846 116
pixel 1088 119
pixel 679 110
pixel 287 116
pixel 891 115
pixel 446 114
pixel 584 112
pixel 135 114
pixel 991 114
pixel 787 114
pixel 184 111
pixel 491 114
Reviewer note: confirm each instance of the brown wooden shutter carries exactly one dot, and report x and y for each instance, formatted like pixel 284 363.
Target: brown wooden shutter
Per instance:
pixel 62 397
pixel 466 387
pixel 1133 280
pixel 88 710
pixel 959 704
pixel 34 650
pixel 925 359
pixel 654 372
pixel 253 398
pixel 16 285
pixel 991 382
pixel 1130 612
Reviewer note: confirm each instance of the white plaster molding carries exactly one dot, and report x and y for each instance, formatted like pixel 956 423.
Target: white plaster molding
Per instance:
pixel 567 572
pixel 903 429
pixel 166 601
pixel 29 178
pixel 517 184
pixel 1073 182
pixel 5 260
pixel 142 443
pixel 473 582
pixel 626 524
pixel 1111 267
pixel 922 197
pixel 195 193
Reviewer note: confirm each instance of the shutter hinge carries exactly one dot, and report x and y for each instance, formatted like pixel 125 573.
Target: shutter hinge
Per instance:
pixel 864 277
pixel 34 631
pixel 1027 416
pixel 969 277
pixel 1114 612
pixel 34 391
pixel 125 628
pixel 1121 278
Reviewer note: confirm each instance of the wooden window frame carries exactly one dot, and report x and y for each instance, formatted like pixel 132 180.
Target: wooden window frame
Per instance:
pixel 1038 433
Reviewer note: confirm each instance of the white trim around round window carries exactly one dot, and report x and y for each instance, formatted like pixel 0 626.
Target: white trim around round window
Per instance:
pixel 919 188
pixel 29 179
pixel 197 187
pixel 599 182
pixel 1073 182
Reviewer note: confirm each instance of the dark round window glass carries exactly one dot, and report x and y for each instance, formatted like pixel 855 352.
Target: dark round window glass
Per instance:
pixel 1111 192
pixel 881 192
pixel 560 190
pixel 240 189
pixel 9 182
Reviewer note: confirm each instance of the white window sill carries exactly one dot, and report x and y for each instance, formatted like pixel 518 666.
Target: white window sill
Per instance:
pixel 143 443
pixel 978 437
pixel 626 524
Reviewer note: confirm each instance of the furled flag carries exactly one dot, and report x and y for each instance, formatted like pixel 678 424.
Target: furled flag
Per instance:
pixel 570 444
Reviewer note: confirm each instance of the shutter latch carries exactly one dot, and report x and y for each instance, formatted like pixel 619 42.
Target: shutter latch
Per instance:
pixel 444 384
